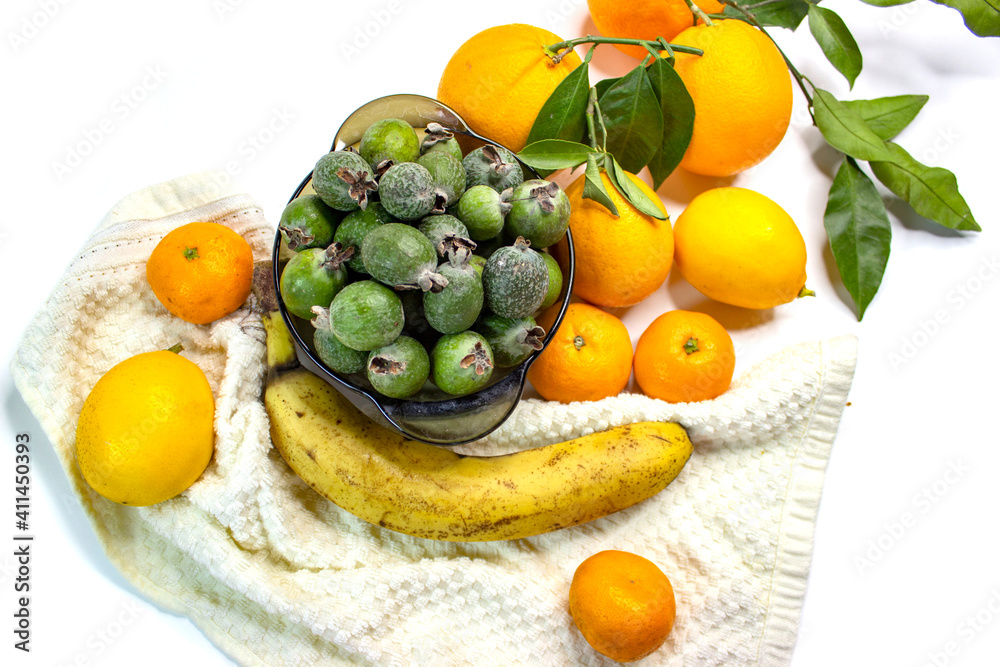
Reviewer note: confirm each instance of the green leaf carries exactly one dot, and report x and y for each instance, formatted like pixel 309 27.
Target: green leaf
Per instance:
pixel 931 191
pixel 888 116
pixel 982 17
pixel 859 231
pixel 836 40
pixel 633 119
pixel 845 130
pixel 563 116
pixel 635 196
pixel 593 185
pixel 780 14
pixel 677 109
pixel 555 154
pixel 886 3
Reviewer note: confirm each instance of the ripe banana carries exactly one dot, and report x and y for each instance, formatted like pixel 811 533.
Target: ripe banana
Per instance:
pixel 433 492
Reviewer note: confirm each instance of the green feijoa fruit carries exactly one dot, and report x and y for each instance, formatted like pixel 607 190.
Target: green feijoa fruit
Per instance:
pixel 334 354
pixel 312 278
pixel 461 363
pixel 539 213
pixel 438 138
pixel 515 280
pixel 482 210
pixel 400 256
pixel 354 228
pixel 366 315
pixel 494 166
pixel 511 339
pixel 399 369
pixel 389 139
pixel 307 222
pixel 449 237
pixel 407 192
pixel 478 262
pixel 447 173
pixel 555 280
pixel 457 306
pixel 343 180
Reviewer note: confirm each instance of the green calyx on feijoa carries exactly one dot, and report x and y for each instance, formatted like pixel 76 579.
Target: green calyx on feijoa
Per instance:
pixel 343 180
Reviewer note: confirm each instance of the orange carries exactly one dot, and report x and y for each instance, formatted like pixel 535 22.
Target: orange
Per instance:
pixel 619 260
pixel 645 19
pixel 684 357
pixel 201 271
pixel 742 94
pixel 588 358
pixel 622 604
pixel 145 432
pixel 499 79
pixel 739 247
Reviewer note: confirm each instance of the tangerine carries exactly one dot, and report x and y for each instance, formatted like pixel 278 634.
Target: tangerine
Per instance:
pixel 622 604
pixel 684 357
pixel 201 271
pixel 588 358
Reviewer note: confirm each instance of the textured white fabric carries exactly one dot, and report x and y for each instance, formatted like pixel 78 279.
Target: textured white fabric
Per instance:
pixel 276 575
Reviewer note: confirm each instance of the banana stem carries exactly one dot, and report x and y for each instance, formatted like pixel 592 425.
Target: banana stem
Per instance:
pixel 559 50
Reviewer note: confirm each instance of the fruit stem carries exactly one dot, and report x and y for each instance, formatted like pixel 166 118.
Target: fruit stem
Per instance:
pixel 559 50
pixel 691 346
pixel 799 79
pixel 805 291
pixel 698 12
pixel 176 349
pixel 594 110
pixel 578 342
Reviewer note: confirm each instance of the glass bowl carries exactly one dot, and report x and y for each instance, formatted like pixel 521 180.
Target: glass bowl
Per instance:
pixel 431 415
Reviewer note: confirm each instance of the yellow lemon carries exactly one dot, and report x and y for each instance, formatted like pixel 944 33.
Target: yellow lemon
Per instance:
pixel 146 433
pixel 739 247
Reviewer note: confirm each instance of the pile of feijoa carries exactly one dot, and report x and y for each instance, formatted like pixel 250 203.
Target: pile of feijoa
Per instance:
pixel 417 263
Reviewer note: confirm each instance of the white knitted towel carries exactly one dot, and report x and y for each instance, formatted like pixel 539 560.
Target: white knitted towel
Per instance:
pixel 276 575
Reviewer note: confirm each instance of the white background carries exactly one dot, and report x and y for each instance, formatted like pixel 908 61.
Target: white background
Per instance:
pixel 907 548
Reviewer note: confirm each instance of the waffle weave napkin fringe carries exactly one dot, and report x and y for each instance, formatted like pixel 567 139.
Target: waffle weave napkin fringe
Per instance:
pixel 273 574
